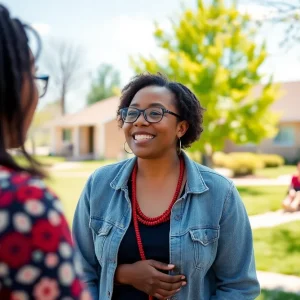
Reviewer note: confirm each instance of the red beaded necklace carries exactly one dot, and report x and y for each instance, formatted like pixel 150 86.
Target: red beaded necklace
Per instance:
pixel 138 215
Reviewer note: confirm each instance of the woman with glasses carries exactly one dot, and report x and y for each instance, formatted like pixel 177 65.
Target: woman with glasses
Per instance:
pixel 36 251
pixel 159 225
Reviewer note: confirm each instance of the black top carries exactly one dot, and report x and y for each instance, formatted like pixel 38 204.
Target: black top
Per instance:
pixel 156 246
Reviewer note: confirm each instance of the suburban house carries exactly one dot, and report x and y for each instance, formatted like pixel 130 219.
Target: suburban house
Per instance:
pixel 287 141
pixel 91 133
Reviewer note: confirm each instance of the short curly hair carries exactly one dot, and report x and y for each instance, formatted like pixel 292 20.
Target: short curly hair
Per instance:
pixel 187 103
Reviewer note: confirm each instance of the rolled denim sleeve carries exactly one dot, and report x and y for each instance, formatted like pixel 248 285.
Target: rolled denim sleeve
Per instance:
pixel 84 242
pixel 234 265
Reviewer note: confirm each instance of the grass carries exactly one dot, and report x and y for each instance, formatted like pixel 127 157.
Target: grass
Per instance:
pixel 277 249
pixel 261 199
pixel 68 190
pixel 45 160
pixel 86 166
pixel 275 172
pixel 277 295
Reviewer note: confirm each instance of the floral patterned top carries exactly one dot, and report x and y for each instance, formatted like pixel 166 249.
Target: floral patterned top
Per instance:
pixel 36 251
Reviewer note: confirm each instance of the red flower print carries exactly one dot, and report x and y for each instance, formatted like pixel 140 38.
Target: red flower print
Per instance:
pixel 15 250
pixel 6 198
pixel 46 289
pixel 19 178
pixel 65 231
pixel 25 193
pixel 76 288
pixel 45 236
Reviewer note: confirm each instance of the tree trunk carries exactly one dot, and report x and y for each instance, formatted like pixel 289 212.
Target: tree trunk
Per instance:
pixel 63 100
pixel 207 156
pixel 207 160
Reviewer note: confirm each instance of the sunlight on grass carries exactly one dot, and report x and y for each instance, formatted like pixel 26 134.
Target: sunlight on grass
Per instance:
pixel 87 166
pixel 261 199
pixel 275 172
pixel 277 249
pixel 276 295
pixel 68 189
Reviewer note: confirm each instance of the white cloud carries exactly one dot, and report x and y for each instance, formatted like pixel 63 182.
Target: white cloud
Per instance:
pixel 42 28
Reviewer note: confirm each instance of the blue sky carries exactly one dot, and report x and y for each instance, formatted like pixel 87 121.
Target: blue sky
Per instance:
pixel 110 31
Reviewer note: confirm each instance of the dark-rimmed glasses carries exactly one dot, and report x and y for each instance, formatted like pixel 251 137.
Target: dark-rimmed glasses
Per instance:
pixel 151 114
pixel 42 84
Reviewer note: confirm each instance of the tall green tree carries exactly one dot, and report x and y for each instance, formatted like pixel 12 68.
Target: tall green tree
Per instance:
pixel 105 85
pixel 212 50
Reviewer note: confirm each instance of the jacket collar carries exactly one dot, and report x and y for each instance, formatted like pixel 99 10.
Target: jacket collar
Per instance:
pixel 195 181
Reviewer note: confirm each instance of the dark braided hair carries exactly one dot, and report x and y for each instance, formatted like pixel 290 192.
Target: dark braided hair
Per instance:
pixel 187 104
pixel 15 65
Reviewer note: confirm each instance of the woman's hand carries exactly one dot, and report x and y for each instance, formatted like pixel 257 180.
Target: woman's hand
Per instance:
pixel 145 276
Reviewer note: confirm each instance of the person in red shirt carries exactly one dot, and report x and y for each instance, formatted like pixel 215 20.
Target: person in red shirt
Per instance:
pixel 37 258
pixel 292 201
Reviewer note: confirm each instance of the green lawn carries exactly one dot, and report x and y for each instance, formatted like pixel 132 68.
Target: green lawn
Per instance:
pixel 261 199
pixel 86 166
pixel 277 249
pixel 276 295
pixel 45 160
pixel 68 189
pixel 275 172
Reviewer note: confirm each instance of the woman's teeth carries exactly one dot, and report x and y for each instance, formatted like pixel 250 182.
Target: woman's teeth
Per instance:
pixel 140 137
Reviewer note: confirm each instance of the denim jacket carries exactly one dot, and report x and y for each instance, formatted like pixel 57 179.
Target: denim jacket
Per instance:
pixel 210 235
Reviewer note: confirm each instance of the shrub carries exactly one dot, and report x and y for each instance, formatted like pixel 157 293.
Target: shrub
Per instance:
pixel 219 159
pixel 244 163
pixel 272 160
pixel 240 163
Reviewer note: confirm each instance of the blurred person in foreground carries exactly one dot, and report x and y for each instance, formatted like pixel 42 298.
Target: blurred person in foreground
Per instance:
pixel 36 251
pixel 159 225
pixel 292 201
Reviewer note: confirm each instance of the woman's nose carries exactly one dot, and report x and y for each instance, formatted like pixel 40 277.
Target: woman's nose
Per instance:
pixel 141 120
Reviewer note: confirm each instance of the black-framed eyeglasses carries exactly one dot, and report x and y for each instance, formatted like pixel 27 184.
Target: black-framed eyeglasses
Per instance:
pixel 151 114
pixel 42 84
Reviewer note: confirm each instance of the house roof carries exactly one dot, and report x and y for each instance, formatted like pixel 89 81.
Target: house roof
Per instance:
pixel 95 114
pixel 288 105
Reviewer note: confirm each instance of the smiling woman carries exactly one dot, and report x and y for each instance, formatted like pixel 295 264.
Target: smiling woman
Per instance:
pixel 160 224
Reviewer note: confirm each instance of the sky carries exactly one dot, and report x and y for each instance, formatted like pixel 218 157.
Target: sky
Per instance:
pixel 111 31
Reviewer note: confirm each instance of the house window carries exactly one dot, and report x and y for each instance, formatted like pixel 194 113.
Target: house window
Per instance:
pixel 285 137
pixel 67 135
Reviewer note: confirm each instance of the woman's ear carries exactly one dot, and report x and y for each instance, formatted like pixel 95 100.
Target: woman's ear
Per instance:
pixel 182 128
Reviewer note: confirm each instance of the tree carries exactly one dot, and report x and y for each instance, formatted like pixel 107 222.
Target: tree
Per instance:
pixel 39 134
pixel 64 61
pixel 105 85
pixel 286 13
pixel 211 50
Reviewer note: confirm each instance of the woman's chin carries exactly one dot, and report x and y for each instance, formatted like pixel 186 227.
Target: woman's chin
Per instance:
pixel 144 153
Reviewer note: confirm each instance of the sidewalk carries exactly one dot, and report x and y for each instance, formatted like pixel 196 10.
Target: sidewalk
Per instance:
pixel 282 180
pixel 275 281
pixel 271 219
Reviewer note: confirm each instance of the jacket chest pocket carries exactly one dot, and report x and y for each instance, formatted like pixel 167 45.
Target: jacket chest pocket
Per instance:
pixel 102 231
pixel 205 242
